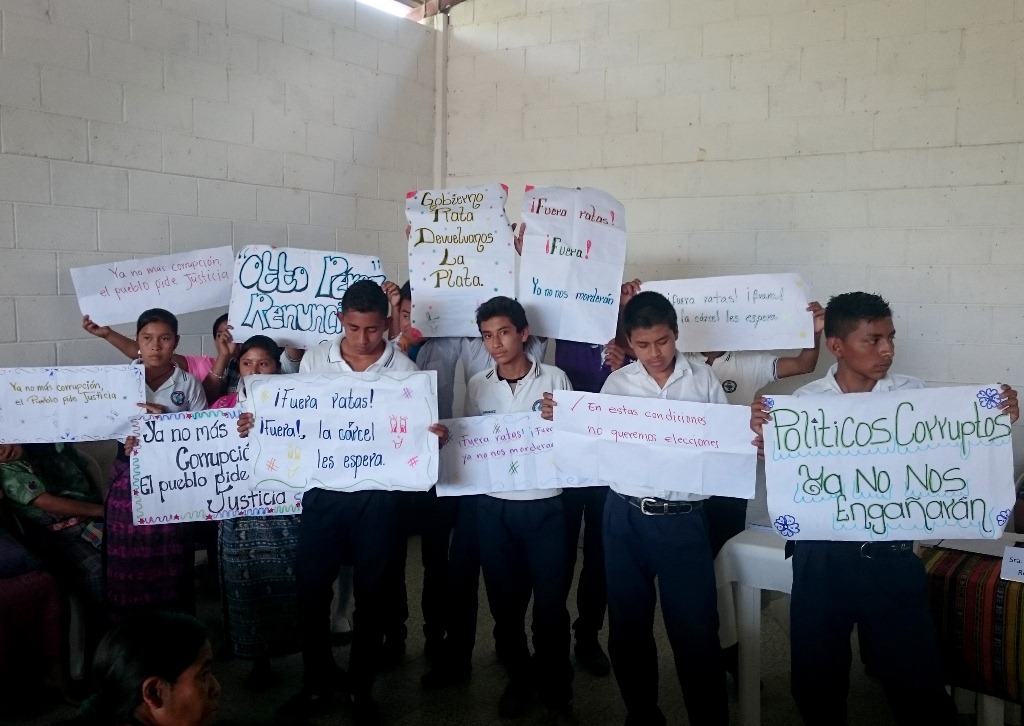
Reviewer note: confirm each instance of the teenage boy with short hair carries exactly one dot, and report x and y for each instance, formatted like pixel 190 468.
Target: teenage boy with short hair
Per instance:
pixel 522 533
pixel 661 534
pixel 880 585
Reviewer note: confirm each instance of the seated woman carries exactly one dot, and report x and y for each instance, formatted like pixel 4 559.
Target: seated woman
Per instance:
pixel 153 669
pixel 153 565
pixel 257 557
pixel 55 506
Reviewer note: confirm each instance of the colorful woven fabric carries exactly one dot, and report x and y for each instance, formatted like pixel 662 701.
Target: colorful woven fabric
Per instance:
pixel 980 619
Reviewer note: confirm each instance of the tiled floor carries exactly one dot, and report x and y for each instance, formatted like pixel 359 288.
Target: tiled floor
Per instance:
pixel 403 702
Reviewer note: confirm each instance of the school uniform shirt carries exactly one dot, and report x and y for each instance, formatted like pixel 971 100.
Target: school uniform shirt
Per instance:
pixel 488 394
pixel 742 372
pixel 180 392
pixel 327 358
pixel 688 382
pixel 828 385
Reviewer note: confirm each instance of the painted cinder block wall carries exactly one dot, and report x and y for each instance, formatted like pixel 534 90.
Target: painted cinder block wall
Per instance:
pixel 145 127
pixel 867 145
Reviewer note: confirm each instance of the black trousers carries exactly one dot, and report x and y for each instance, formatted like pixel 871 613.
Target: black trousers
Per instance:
pixel 460 600
pixel 522 551
pixel 672 549
pixel 727 517
pixel 834 587
pixel 345 527
pixel 584 506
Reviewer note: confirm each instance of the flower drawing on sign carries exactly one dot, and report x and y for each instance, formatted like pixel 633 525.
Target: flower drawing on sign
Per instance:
pixel 1003 517
pixel 769 403
pixel 787 525
pixel 988 397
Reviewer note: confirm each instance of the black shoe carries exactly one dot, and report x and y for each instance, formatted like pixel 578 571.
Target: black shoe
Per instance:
pixel 307 703
pixel 391 654
pixel 445 675
pixel 515 701
pixel 365 711
pixel 591 657
pixel 564 715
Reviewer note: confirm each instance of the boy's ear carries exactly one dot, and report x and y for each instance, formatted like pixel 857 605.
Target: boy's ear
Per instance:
pixel 152 692
pixel 387 322
pixel 524 334
pixel 835 346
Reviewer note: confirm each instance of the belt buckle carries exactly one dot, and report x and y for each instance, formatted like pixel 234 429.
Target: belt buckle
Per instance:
pixel 651 501
pixel 864 553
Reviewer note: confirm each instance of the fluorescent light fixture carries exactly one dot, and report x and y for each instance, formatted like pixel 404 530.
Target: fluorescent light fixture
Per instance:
pixel 389 6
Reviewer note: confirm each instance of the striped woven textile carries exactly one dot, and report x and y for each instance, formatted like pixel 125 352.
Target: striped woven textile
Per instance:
pixel 980 619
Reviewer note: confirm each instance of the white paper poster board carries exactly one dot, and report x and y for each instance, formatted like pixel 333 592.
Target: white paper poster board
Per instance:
pixel 920 464
pixel 510 452
pixel 294 295
pixel 344 431
pixel 72 403
pixel 700 448
pixel 193 467
pixel 574 252
pixel 182 283
pixel 461 254
pixel 744 312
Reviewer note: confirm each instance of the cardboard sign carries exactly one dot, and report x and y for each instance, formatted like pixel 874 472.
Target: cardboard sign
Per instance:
pixel 746 312
pixel 192 466
pixel 664 445
pixel 344 431
pixel 461 254
pixel 574 252
pixel 485 454
pixel 182 283
pixel 294 296
pixel 919 464
pixel 73 403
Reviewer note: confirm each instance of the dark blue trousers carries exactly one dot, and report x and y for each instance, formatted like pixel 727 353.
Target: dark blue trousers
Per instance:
pixel 834 586
pixel 344 527
pixel 522 550
pixel 584 506
pixel 462 580
pixel 672 549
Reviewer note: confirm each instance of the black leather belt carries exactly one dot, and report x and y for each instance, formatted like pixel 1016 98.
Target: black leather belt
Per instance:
pixel 871 550
pixel 654 506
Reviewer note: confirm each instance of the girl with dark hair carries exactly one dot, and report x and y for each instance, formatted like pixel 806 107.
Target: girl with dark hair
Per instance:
pixel 257 556
pixel 153 669
pixel 150 565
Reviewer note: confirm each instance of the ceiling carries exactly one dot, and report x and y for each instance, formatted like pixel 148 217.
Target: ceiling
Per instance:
pixel 420 9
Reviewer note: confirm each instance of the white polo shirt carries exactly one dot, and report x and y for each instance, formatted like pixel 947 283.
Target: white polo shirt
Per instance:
pixel 742 372
pixel 487 394
pixel 827 385
pixel 688 382
pixel 180 392
pixel 327 358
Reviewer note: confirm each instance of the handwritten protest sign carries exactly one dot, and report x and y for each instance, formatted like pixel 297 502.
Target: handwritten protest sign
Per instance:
pixel 701 448
pixel 74 403
pixel 193 467
pixel 460 255
pixel 344 431
pixel 745 312
pixel 182 283
pixel 511 452
pixel 574 252
pixel 294 295
pixel 921 464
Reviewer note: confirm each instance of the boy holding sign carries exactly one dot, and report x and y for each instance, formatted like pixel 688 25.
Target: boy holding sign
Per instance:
pixel 879 585
pixel 661 534
pixel 664 535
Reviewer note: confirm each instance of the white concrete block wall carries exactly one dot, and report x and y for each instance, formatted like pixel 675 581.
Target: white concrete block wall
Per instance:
pixel 867 145
pixel 146 127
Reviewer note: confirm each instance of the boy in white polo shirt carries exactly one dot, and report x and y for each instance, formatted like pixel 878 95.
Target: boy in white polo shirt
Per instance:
pixel 522 533
pixel 661 534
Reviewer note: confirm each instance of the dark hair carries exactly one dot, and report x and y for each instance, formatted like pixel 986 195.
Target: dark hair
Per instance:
pixel 218 322
pixel 263 343
pixel 845 312
pixel 156 643
pixel 502 306
pixel 406 291
pixel 157 315
pixel 648 309
pixel 365 296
